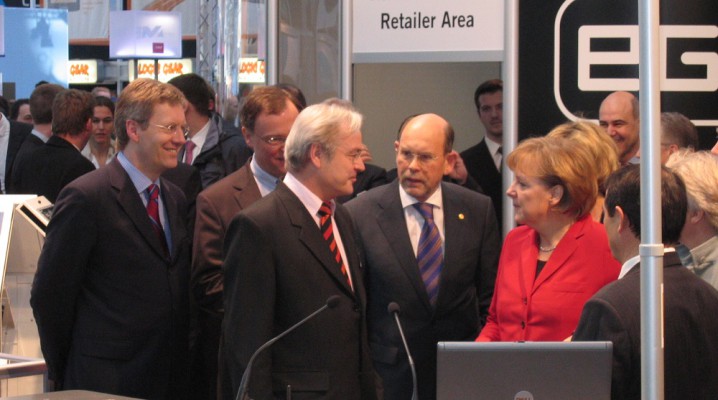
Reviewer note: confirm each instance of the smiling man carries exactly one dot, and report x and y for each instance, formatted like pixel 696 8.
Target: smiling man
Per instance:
pixel 285 256
pixel 443 281
pixel 619 116
pixel 110 296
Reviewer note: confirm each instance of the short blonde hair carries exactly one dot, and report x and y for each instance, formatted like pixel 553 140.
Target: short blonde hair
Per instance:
pixel 699 171
pixel 603 149
pixel 559 161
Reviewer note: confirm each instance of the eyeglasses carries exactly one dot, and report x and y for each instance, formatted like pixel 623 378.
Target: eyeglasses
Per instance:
pixel 106 120
pixel 274 140
pixel 355 155
pixel 173 128
pixel 421 158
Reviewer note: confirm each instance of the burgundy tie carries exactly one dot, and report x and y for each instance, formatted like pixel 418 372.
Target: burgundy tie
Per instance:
pixel 325 222
pixel 189 152
pixel 153 210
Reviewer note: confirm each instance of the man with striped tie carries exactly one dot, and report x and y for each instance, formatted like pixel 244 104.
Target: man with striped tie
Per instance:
pixel 285 256
pixel 111 292
pixel 432 248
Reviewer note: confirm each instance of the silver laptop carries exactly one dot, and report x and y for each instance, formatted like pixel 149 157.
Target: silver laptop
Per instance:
pixel 524 371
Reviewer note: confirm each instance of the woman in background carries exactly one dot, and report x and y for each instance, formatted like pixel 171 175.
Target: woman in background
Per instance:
pixel 560 256
pixel 100 149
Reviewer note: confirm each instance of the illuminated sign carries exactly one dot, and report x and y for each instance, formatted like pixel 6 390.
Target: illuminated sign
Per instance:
pixel 166 69
pixel 82 71
pixel 136 33
pixel 252 70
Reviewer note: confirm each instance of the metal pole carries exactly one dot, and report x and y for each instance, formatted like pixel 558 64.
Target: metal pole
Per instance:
pixel 510 76
pixel 651 249
pixel 345 88
pixel 272 65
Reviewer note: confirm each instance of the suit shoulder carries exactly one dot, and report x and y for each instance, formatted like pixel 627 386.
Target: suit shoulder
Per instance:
pixel 472 151
pixel 371 197
pixel 464 194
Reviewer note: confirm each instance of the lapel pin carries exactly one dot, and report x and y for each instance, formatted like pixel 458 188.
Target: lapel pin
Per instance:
pixel 461 216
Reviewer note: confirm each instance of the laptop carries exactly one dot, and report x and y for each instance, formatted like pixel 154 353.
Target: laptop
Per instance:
pixel 524 370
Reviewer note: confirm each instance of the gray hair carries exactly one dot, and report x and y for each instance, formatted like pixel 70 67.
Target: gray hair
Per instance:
pixel 324 124
pixel 699 171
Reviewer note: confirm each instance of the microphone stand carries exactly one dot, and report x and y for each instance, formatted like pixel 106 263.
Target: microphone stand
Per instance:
pixel 394 309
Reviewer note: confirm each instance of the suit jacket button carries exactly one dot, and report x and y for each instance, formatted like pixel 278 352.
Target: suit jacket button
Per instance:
pixel 523 324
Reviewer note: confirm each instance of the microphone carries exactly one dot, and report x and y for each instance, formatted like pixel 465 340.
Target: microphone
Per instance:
pixel 332 302
pixel 394 309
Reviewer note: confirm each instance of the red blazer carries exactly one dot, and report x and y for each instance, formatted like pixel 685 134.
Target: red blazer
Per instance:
pixel 547 308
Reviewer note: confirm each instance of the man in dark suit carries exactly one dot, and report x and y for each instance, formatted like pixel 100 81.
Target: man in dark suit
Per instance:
pixel 47 169
pixel 12 134
pixel 41 101
pixel 217 147
pixel 447 303
pixel 110 296
pixel 689 303
pixel 285 256
pixel 267 116
pixel 484 160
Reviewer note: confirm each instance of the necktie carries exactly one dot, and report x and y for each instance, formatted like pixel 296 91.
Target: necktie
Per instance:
pixel 189 152
pixel 499 157
pixel 153 210
pixel 325 225
pixel 429 256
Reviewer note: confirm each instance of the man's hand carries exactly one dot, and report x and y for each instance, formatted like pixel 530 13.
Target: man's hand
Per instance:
pixel 458 170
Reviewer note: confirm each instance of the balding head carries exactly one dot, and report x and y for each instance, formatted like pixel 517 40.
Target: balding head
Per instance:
pixel 618 115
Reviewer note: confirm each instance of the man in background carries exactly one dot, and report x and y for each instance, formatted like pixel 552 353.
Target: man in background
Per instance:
pixel 677 132
pixel 619 116
pixel 12 134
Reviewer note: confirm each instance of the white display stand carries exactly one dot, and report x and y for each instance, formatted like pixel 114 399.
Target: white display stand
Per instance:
pixel 21 239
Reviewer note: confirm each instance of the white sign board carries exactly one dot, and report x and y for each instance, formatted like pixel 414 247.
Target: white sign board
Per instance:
pixel 82 71
pixel 145 34
pixel 428 30
pixel 252 70
pixel 166 69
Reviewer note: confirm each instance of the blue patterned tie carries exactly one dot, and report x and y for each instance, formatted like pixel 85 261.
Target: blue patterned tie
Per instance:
pixel 429 255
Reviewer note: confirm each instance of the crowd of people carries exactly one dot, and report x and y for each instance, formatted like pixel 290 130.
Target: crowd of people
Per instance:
pixel 180 244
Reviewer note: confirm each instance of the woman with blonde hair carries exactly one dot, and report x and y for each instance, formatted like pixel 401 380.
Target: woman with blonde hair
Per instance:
pixel 604 154
pixel 560 256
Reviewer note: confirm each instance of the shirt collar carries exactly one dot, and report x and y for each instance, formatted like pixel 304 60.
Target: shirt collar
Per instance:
pixel 493 146
pixel 264 178
pixel 139 180
pixel 311 201
pixel 201 136
pixel 407 200
pixel 40 135
pixel 633 261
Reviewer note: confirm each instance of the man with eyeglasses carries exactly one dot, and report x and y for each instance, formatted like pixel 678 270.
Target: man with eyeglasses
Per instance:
pixel 432 248
pixel 289 253
pixel 267 116
pixel 111 293
pixel 47 169
pixel 214 146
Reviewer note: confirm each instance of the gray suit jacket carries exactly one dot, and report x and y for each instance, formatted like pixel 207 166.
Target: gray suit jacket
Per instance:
pixel 279 269
pixel 392 275
pixel 111 309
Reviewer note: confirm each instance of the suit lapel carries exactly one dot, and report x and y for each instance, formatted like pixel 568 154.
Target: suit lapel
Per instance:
pixel 391 221
pixel 455 229
pixel 310 235
pixel 130 202
pixel 173 219
pixel 247 191
pixel 566 247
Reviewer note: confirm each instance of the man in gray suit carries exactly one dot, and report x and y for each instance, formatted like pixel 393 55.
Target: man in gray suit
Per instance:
pixel 689 303
pixel 440 300
pixel 111 291
pixel 267 116
pixel 286 255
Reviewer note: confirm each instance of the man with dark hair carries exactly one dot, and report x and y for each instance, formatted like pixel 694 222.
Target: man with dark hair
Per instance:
pixel 213 146
pixel 689 303
pixel 41 101
pixel 111 291
pixel 267 117
pixel 677 132
pixel 47 170
pixel 447 303
pixel 12 134
pixel 484 160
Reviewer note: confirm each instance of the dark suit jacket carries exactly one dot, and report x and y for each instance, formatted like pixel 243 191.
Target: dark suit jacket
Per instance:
pixel 481 167
pixel 111 309
pixel 279 269
pixel 223 152
pixel 546 307
pixel 216 206
pixel 465 288
pixel 690 332
pixel 30 144
pixel 18 133
pixel 187 178
pixel 48 169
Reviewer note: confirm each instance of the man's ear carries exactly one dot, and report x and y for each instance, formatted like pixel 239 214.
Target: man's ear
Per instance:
pixel 315 154
pixel 694 216
pixel 132 128
pixel 450 162
pixel 623 222
pixel 248 137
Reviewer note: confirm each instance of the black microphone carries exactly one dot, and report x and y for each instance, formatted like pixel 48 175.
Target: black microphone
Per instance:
pixel 394 308
pixel 332 302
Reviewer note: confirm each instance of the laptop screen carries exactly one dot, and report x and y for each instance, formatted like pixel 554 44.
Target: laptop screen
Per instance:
pixel 524 370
